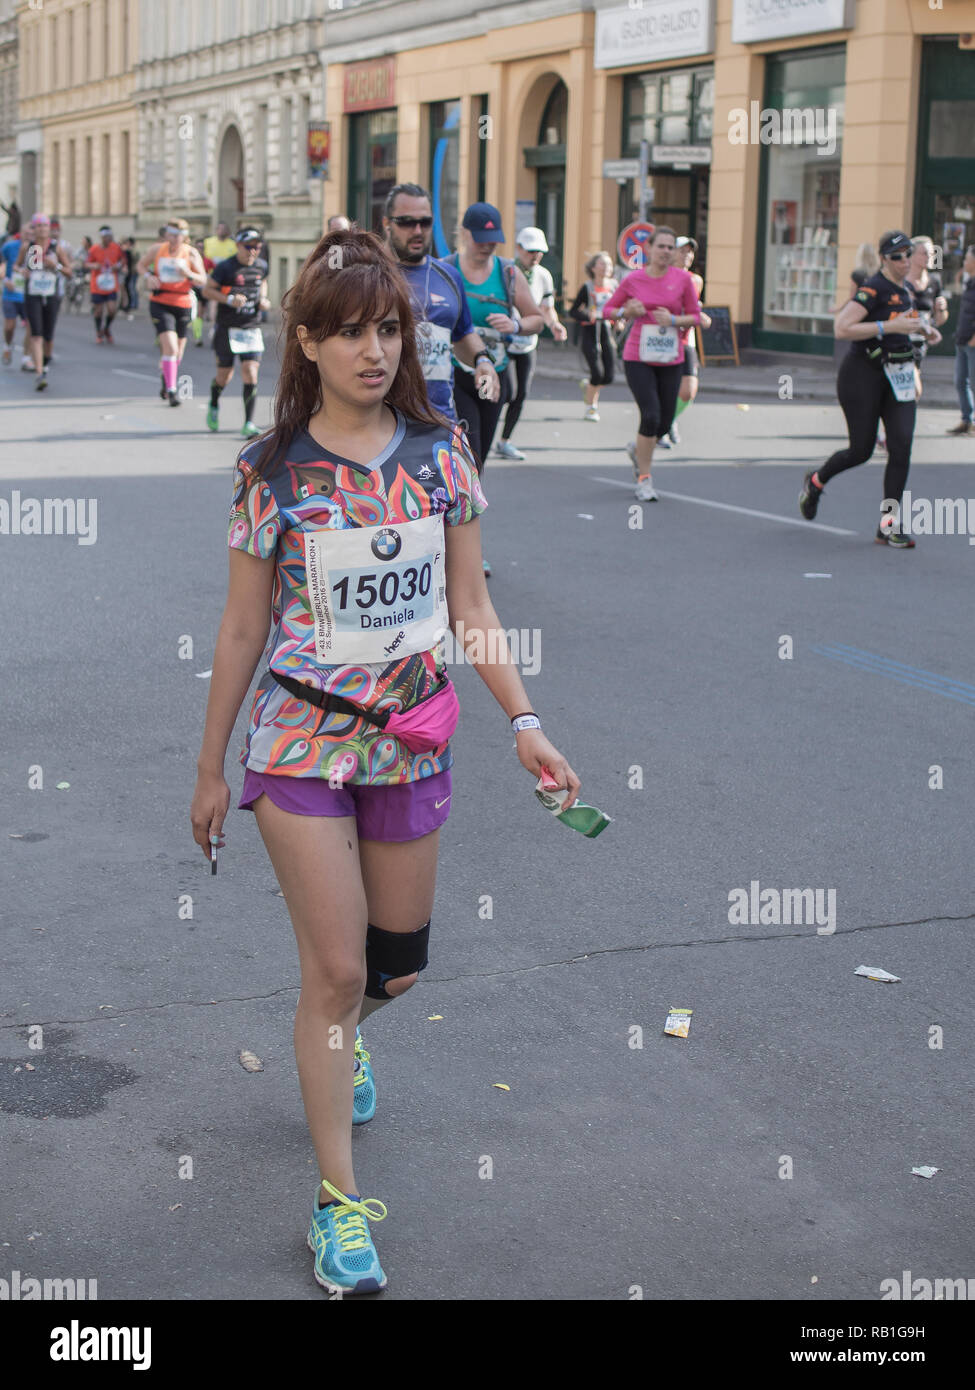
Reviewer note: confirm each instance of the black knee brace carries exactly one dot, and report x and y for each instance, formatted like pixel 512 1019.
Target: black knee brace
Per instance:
pixel 390 954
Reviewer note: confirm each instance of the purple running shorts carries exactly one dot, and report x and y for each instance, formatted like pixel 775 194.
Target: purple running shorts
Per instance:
pixel 390 813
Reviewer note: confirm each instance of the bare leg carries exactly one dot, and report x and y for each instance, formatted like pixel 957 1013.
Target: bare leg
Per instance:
pixel 316 861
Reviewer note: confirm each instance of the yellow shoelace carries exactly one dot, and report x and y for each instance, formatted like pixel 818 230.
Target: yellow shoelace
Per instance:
pixel 350 1218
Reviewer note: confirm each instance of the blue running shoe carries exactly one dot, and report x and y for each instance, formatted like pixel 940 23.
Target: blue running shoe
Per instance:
pixel 345 1257
pixel 364 1085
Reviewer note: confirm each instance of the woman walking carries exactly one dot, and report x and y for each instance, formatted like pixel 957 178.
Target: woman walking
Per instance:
pixel 659 301
pixel 354 536
pixel 595 334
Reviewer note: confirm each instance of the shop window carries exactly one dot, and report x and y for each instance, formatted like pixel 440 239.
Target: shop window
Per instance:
pixel 951 130
pixel 798 243
pixel 668 108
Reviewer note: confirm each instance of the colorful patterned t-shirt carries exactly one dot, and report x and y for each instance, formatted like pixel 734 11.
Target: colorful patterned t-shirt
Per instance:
pixel 424 472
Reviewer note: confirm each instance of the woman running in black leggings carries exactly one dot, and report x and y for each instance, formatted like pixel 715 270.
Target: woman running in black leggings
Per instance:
pixel 596 335
pixel 876 382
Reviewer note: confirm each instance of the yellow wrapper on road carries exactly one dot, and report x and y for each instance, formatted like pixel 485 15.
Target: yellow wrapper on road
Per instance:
pixel 678 1022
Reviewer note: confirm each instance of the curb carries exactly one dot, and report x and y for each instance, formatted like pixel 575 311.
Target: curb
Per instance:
pixel 713 386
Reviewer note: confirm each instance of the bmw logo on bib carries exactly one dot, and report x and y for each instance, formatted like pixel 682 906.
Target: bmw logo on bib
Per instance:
pixel 386 545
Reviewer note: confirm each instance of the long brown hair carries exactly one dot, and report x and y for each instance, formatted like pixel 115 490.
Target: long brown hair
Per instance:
pixel 350 277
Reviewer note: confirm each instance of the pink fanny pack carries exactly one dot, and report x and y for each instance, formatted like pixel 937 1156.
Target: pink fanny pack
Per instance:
pixel 423 727
pixel 427 724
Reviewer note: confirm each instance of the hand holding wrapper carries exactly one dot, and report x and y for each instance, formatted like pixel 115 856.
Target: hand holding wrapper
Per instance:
pixel 586 819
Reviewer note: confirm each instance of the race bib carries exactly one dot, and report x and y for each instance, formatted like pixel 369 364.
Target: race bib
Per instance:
pixel 901 377
pixel 105 281
pixel 433 349
pixel 19 281
pixel 377 593
pixel 659 345
pixel 43 282
pixel 246 339
pixel 170 270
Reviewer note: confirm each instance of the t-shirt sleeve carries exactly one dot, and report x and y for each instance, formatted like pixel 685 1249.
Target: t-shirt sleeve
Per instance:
pixel 466 498
pixel 548 293
pixel 464 324
pixel 691 303
pixel 219 273
pixel 255 522
pixel 868 298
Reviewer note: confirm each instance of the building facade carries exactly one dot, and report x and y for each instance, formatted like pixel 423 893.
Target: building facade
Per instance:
pixel 225 93
pixel 781 135
pixel 9 163
pixel 77 129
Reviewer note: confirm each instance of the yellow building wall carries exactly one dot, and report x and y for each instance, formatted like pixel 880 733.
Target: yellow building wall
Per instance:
pixel 517 66
pixel 79 87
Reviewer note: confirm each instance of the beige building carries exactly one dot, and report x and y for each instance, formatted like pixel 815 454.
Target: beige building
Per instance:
pixel 779 135
pixel 77 114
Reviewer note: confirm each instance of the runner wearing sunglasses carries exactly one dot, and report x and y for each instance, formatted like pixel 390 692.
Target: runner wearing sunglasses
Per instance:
pixel 876 381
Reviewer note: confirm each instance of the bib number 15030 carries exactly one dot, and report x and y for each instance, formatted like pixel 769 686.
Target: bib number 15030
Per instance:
pixel 389 589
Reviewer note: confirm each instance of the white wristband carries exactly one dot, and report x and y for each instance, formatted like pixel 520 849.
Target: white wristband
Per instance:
pixel 525 721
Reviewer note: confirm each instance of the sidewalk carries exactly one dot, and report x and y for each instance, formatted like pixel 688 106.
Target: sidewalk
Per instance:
pixel 813 378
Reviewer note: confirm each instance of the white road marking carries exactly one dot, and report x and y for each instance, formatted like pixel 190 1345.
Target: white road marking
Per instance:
pixel 729 507
pixel 810 575
pixel 204 675
pixel 139 376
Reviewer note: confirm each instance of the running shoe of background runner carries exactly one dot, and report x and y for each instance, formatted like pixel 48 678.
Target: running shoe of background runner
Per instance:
pixel 173 398
pixel 888 536
pixel 809 497
pixel 507 450
pixel 645 491
pixel 339 1237
pixel 966 427
pixel 41 383
pixel 213 417
pixel 249 429
pixel 674 435
pixel 663 442
pixel 363 1085
pixel 591 414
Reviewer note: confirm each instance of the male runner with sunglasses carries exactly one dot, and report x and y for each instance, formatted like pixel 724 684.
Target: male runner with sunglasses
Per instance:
pixel 876 382
pixel 443 318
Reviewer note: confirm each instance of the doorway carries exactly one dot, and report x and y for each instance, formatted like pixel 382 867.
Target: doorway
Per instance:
pixel 230 178
pixel 547 158
pixel 944 204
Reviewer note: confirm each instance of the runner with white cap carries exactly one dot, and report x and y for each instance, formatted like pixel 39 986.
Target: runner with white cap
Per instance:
pixel 684 257
pixel 531 246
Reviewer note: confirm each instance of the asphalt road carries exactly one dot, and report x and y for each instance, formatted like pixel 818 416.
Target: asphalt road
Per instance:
pixel 663 1168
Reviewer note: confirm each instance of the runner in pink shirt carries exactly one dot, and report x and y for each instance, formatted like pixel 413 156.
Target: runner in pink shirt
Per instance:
pixel 659 301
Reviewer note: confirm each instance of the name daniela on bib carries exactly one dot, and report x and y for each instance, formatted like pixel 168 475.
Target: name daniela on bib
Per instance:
pixel 377 593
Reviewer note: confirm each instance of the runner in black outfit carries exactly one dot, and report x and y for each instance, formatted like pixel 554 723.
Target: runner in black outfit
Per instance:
pixel 876 382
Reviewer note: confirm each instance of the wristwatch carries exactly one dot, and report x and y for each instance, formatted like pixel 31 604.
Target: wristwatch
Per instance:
pixel 521 722
pixel 483 353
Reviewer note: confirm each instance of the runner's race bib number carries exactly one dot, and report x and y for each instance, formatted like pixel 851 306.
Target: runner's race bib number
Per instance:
pixel 246 339
pixel 433 349
pixel 105 281
pixel 658 345
pixel 43 282
pixel 377 593
pixel 901 377
pixel 170 270
pixel 19 281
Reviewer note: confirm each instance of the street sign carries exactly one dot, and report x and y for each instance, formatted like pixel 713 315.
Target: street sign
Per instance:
pixel 632 244
pixel 621 168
